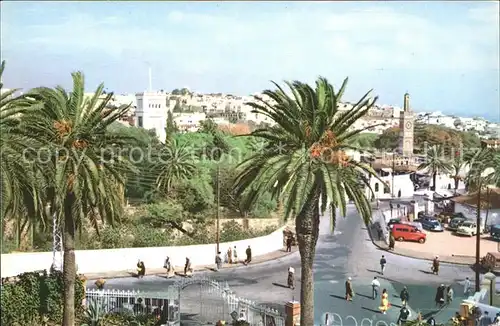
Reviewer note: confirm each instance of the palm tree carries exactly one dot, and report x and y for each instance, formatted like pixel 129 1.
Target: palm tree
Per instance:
pixel 18 173
pixel 173 163
pixel 456 169
pixel 305 166
pixel 435 163
pixel 482 173
pixel 81 171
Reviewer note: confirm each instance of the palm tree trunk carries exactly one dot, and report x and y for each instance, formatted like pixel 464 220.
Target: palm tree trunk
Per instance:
pixel 69 264
pixel 307 229
pixel 457 180
pixel 434 176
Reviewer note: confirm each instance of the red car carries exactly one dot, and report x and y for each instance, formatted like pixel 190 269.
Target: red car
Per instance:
pixel 406 232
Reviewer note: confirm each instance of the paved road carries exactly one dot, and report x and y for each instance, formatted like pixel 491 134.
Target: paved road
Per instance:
pixel 347 253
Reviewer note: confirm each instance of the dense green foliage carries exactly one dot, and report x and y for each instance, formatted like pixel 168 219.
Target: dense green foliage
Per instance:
pixel 430 135
pixel 36 299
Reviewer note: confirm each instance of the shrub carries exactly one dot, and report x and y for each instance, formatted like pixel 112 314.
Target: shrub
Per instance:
pixel 36 297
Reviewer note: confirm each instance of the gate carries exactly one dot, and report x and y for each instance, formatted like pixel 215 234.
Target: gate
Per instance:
pixel 204 301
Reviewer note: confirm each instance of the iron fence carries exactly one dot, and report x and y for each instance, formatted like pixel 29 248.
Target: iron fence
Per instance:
pixel 193 301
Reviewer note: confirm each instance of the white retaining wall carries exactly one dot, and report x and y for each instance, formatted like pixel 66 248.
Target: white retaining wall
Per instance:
pixel 106 260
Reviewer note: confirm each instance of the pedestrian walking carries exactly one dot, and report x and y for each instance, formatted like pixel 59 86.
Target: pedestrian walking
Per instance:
pixel 405 296
pixel 404 314
pixel 349 291
pixel 485 319
pixel 235 254
pixel 449 295
pixel 383 262
pixel 467 287
pixel 289 241
pixel 375 287
pixel 384 303
pixel 248 252
pixel 229 256
pixel 435 265
pixel 187 267
pixel 440 293
pixel 218 261
pixel 392 241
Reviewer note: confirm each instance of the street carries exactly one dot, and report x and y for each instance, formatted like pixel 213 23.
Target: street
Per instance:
pixel 349 252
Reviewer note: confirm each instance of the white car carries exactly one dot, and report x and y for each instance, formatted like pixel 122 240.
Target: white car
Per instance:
pixel 467 228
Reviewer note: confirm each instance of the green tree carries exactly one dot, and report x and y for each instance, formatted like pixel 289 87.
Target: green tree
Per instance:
pixel 456 168
pixel 173 163
pixel 177 107
pixel 388 140
pixel 83 180
pixel 171 127
pixel 436 162
pixel 176 92
pixel 304 165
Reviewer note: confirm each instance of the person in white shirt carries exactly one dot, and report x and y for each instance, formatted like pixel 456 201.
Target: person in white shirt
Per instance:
pixel 466 287
pixel 375 288
pixel 290 280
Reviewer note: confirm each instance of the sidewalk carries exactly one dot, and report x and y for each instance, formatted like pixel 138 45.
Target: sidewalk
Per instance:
pixel 180 269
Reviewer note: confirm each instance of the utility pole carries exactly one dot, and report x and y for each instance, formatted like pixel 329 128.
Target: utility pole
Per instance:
pixel 478 236
pixel 393 168
pixel 217 239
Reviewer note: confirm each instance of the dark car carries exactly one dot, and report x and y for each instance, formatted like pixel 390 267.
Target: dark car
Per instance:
pixel 456 222
pixel 430 223
pixel 495 232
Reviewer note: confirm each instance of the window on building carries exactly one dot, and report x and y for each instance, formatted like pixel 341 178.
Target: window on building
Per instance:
pixel 376 187
pixel 139 122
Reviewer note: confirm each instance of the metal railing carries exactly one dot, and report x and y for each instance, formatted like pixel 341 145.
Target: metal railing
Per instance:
pixel 136 302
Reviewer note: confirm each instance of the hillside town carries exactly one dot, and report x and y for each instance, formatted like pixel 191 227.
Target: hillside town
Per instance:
pixel 189 108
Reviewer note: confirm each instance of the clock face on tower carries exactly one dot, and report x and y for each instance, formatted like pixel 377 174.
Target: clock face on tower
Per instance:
pixel 408 125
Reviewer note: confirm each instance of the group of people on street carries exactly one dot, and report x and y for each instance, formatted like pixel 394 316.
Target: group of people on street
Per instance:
pixel 232 257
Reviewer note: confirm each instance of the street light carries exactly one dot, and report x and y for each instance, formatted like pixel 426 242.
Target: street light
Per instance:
pixel 491 277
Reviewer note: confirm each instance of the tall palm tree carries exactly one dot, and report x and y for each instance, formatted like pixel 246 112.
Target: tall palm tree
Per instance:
pixel 435 163
pixel 305 166
pixel 18 173
pixel 81 171
pixel 482 173
pixel 173 163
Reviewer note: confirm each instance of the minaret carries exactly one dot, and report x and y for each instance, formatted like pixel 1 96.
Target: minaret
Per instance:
pixel 406 127
pixel 150 79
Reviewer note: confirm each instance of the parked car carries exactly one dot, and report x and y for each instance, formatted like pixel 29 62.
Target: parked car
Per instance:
pixel 406 232
pixel 456 222
pixel 495 231
pixel 446 217
pixel 467 228
pixel 393 221
pixel 430 223
pixel 491 262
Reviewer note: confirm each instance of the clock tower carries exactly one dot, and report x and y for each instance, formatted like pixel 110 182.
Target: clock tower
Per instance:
pixel 406 128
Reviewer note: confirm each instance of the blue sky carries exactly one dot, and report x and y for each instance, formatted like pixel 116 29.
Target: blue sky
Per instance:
pixel 445 54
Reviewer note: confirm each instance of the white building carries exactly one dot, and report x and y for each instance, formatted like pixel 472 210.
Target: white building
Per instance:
pixel 189 122
pixel 151 112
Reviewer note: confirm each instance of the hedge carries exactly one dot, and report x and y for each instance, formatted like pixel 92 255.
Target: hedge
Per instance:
pixel 36 298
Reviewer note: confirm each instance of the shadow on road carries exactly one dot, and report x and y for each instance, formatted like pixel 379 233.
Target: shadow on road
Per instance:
pixel 370 309
pixel 373 271
pixel 425 272
pixel 338 297
pixel 281 285
pixel 364 295
pixel 390 280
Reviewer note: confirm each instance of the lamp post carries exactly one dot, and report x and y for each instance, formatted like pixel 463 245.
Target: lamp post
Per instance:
pixel 393 168
pixel 491 277
pixel 218 208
